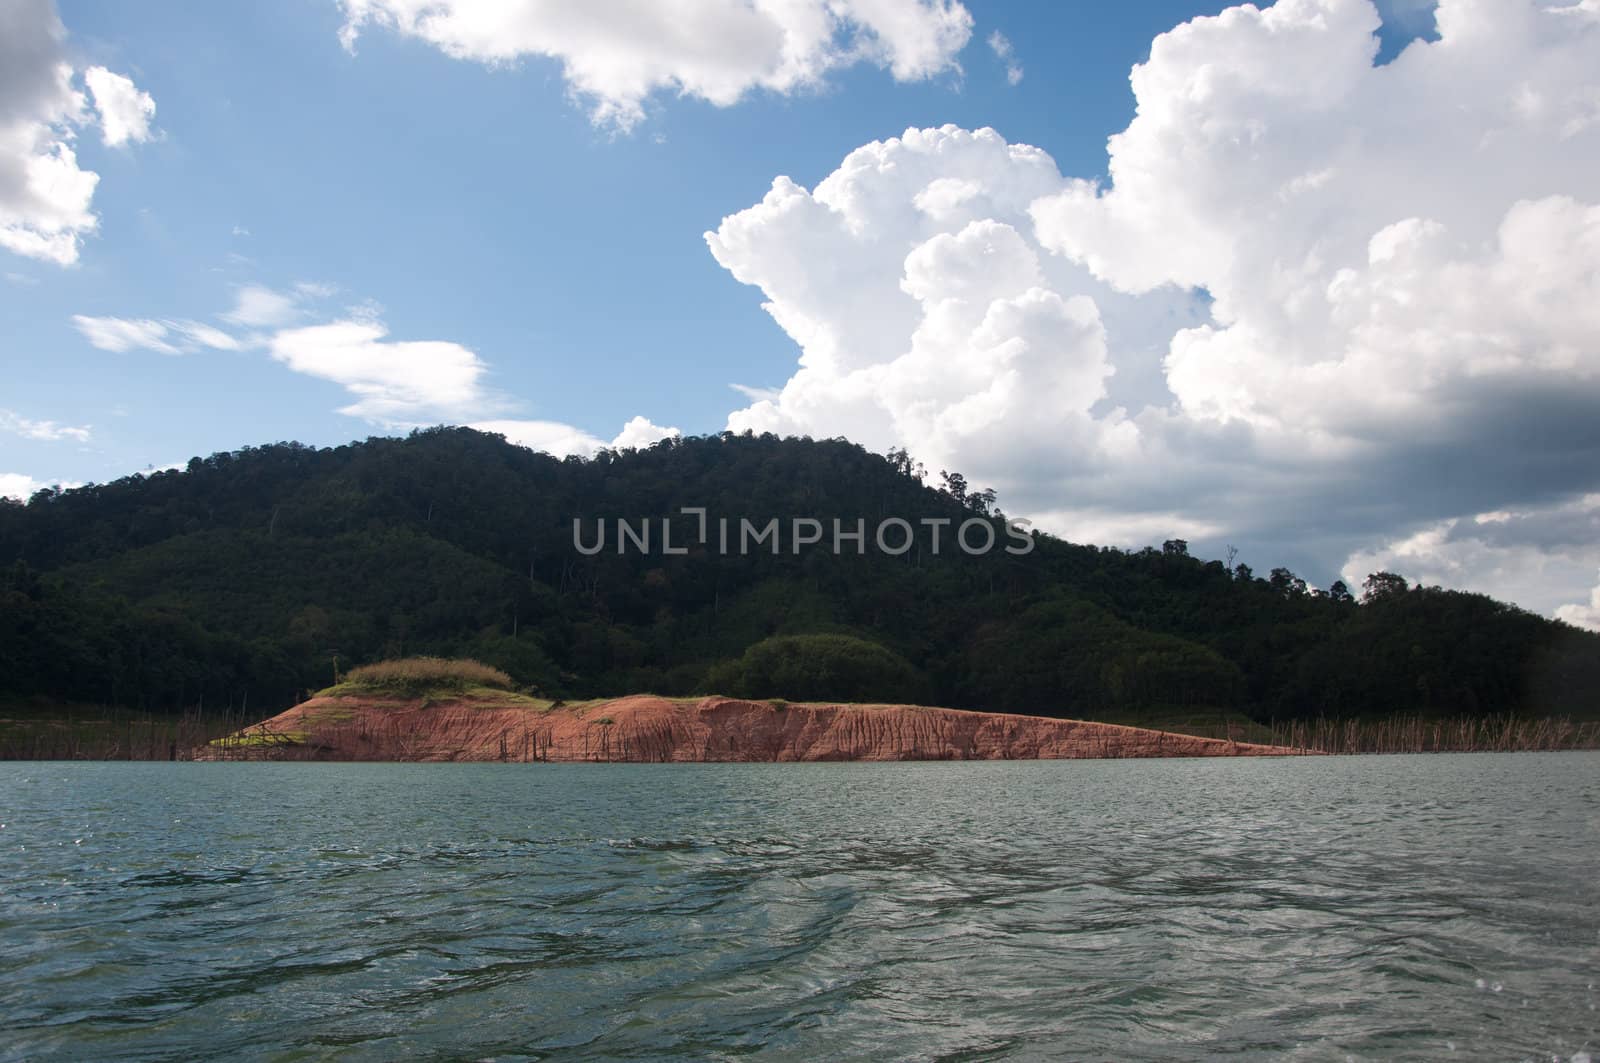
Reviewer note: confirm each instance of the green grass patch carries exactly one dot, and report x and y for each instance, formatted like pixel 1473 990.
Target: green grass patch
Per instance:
pixel 258 739
pixel 415 677
pixel 485 694
pixel 505 697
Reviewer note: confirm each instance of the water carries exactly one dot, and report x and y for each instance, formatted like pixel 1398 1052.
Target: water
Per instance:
pixel 1381 907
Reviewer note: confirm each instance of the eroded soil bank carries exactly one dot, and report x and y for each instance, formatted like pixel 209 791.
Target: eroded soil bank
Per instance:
pixel 645 728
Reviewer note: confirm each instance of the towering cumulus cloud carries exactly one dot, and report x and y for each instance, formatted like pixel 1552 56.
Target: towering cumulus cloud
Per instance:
pixel 1309 279
pixel 616 53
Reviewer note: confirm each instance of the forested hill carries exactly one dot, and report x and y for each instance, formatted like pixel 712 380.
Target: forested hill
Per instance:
pixel 241 578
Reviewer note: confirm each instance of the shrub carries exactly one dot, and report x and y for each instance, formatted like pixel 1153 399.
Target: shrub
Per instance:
pixel 414 676
pixel 819 668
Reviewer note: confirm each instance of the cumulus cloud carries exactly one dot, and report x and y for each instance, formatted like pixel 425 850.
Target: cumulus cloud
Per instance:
pixel 18 486
pixel 45 196
pixel 1585 615
pixel 45 431
pixel 562 440
pixel 1541 558
pixel 1370 251
pixel 22 487
pixel 1001 46
pixel 551 437
pixel 125 112
pixel 929 316
pixel 640 432
pixel 615 54
pixel 1321 305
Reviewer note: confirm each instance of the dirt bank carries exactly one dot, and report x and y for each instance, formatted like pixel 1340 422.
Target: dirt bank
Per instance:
pixel 649 729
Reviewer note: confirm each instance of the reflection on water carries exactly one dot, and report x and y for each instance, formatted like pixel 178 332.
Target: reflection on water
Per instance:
pixel 1396 907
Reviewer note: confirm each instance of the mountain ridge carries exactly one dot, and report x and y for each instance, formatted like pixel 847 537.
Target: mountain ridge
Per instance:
pixel 250 576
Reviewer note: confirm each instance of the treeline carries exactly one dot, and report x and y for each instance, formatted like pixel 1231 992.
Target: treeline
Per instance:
pixel 252 576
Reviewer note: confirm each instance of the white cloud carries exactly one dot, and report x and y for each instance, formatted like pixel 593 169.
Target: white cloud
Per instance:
pixel 194 334
pixel 45 196
pixel 928 316
pixel 45 431
pixel 1001 46
pixel 315 289
pixel 257 306
pixel 119 335
pixel 395 382
pixel 1351 228
pixel 1321 304
pixel 1585 615
pixel 615 54
pixel 639 433
pixel 1539 558
pixel 551 437
pixel 757 394
pixel 21 487
pixel 125 112
pixel 16 485
pixel 562 440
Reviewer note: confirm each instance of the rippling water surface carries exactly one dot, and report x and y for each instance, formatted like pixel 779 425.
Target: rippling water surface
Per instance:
pixel 1394 907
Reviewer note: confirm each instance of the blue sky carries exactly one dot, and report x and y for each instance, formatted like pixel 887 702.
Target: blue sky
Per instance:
pixel 484 206
pixel 473 204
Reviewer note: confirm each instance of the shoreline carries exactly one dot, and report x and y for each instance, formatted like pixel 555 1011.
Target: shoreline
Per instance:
pixel 649 729
pixel 82 732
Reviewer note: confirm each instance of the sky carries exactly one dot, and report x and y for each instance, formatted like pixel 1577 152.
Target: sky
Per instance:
pixel 1319 281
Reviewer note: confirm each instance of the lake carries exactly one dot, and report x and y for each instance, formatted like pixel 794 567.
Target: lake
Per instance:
pixel 1423 907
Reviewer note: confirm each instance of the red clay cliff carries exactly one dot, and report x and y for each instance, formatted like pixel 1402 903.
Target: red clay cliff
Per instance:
pixel 652 729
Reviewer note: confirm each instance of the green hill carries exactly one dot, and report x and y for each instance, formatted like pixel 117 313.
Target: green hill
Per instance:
pixel 241 578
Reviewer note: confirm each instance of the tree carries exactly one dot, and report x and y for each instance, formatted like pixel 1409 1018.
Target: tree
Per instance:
pixel 1339 592
pixel 156 591
pixel 818 667
pixel 1381 585
pixel 1287 583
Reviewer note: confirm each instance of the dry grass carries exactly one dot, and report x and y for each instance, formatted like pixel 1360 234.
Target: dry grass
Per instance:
pixel 94 733
pixel 416 676
pixel 1461 734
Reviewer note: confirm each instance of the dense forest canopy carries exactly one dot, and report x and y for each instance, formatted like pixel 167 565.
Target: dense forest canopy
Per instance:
pixel 249 577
